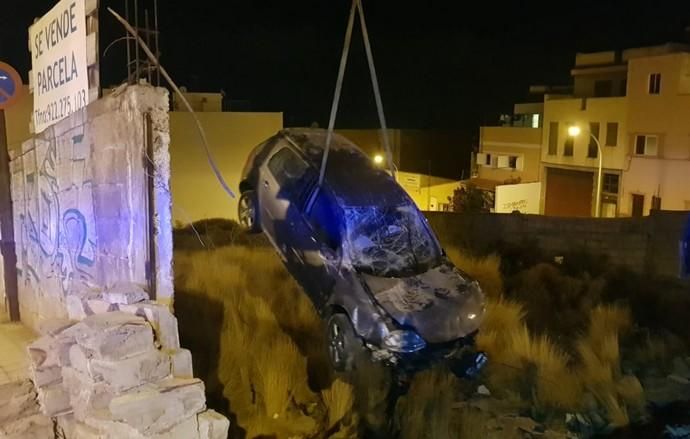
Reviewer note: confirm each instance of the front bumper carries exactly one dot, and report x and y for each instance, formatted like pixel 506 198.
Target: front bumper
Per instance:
pixel 461 356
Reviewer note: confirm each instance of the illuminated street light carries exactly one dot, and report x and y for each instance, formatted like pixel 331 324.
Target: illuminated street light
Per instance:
pixel 574 131
pixel 378 159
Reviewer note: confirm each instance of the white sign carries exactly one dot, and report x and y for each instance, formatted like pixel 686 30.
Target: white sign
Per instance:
pixel 58 58
pixel 523 198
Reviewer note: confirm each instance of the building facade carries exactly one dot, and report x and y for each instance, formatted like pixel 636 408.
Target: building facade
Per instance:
pixel 633 108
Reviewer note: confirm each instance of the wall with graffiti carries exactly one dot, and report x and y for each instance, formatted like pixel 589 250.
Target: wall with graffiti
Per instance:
pixel 82 203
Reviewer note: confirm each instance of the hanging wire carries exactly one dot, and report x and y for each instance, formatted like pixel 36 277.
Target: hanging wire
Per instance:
pixel 356 6
pixel 338 89
pixel 375 85
pixel 202 134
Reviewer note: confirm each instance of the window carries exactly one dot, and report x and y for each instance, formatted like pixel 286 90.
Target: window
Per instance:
pixel 610 184
pixel 592 148
pixel 553 138
pixel 624 87
pixel 655 83
pixel 513 162
pixel 568 146
pixel 603 88
pixel 646 145
pixel 287 168
pixel 612 134
pixel 324 221
pixel 535 120
pixel 637 205
pixel 487 160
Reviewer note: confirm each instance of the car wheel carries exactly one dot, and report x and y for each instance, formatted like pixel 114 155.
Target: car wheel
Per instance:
pixel 248 213
pixel 343 344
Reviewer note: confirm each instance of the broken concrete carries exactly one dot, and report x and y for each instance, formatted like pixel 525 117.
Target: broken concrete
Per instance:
pixel 54 400
pixel 112 336
pixel 181 363
pixel 17 400
pixel 125 293
pixel 213 425
pixel 122 375
pixel 157 408
pixel 163 321
pixel 30 427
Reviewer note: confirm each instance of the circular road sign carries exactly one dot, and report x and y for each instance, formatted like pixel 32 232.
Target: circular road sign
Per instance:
pixel 10 85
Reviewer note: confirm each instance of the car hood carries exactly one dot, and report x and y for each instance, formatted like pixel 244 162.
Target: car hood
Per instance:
pixel 441 304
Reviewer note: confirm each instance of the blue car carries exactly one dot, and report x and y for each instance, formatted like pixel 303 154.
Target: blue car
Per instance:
pixel 362 251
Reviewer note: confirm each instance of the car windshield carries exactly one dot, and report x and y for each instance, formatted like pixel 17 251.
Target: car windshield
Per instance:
pixel 389 241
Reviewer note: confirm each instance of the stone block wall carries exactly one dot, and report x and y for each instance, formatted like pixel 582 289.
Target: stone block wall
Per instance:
pixel 116 370
pixel 82 208
pixel 645 245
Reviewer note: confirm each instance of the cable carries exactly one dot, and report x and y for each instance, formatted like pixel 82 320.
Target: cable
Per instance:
pixel 375 85
pixel 338 89
pixel 356 5
pixel 167 77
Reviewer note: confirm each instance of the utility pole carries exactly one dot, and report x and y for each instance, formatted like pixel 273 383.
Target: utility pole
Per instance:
pixel 9 255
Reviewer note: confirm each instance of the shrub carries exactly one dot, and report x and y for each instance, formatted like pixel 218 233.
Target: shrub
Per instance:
pixel 425 412
pixel 485 270
pixel 556 304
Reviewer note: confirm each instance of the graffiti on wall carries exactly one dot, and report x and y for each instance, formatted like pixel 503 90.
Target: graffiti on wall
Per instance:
pixel 57 246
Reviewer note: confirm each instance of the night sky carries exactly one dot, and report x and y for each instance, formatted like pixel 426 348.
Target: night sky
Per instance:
pixel 441 64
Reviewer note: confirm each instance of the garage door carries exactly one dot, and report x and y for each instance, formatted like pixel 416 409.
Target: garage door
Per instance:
pixel 568 193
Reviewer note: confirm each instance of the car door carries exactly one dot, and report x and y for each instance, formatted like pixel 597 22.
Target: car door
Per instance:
pixel 280 183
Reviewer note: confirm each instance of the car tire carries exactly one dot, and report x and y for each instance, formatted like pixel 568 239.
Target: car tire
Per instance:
pixel 344 346
pixel 248 212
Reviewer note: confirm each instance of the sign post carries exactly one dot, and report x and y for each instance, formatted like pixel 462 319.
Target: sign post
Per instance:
pixel 10 87
pixel 59 75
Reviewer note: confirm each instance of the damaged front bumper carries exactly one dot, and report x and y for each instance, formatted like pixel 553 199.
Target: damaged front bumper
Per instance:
pixel 460 355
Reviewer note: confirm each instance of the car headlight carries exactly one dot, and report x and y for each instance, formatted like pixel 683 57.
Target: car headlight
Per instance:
pixel 404 341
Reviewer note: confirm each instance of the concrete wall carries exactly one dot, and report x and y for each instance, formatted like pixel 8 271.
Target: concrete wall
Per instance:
pixel 645 245
pixel 428 192
pixel 511 141
pixel 196 192
pixel 81 203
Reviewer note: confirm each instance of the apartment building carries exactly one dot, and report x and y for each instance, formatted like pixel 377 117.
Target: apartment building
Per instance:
pixel 633 108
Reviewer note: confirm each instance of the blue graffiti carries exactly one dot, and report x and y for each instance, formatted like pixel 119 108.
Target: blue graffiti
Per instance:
pixel 74 224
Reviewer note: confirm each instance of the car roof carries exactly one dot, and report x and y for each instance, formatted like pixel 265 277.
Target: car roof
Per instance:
pixel 350 174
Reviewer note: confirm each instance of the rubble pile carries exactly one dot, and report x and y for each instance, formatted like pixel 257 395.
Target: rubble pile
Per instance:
pixel 20 417
pixel 119 371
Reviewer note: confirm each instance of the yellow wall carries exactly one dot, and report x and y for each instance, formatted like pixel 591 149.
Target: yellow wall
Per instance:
pixel 519 141
pixel 17 119
pixel 371 142
pixel 196 192
pixel 427 189
pixel 601 110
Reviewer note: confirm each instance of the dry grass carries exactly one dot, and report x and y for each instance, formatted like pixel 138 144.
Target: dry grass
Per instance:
pixel 339 399
pixel 485 270
pixel 258 342
pixel 267 335
pixel 425 412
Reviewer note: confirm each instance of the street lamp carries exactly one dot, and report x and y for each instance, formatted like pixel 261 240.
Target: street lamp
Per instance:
pixel 574 131
pixel 378 159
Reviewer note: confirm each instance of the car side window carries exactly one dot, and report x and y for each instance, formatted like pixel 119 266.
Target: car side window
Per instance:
pixel 289 171
pixel 324 221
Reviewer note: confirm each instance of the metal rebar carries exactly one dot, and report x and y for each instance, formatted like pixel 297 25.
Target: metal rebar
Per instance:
pixel 158 53
pixel 129 54
pixel 148 43
pixel 136 47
